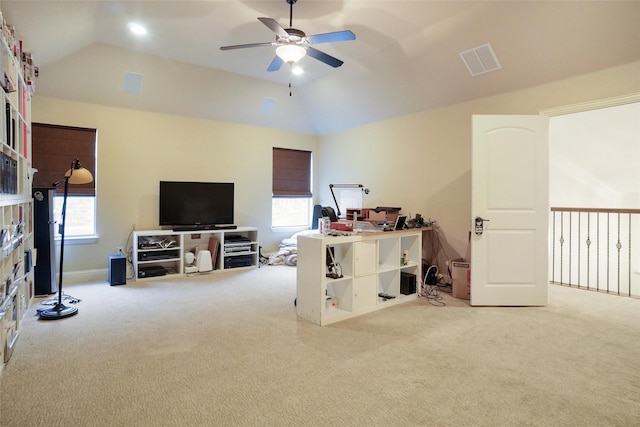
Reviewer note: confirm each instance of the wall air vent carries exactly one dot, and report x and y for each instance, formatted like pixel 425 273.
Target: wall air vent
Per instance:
pixel 267 106
pixel 133 83
pixel 480 60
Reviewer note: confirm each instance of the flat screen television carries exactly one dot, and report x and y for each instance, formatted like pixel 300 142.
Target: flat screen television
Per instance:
pixel 197 205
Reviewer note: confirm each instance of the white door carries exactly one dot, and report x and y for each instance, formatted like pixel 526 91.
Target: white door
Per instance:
pixel 510 211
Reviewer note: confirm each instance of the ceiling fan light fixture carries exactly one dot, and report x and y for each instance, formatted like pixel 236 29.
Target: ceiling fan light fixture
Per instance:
pixel 291 53
pixel 293 44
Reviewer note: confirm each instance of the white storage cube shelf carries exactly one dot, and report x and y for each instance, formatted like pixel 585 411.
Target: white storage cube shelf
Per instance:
pixel 16 207
pixel 161 253
pixel 371 265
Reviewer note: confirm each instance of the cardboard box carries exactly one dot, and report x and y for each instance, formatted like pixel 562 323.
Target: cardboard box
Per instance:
pixel 377 216
pixel 357 214
pixel 461 278
pixel 389 216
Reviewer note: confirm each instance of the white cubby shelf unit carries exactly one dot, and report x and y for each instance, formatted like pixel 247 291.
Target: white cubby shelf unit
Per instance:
pixel 375 269
pixel 165 251
pixel 17 256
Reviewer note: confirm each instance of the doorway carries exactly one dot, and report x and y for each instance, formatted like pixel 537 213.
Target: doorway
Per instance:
pixel 594 194
pixel 594 158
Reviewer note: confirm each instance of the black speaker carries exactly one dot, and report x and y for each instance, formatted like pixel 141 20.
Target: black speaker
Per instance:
pixel 28 261
pixel 117 270
pixel 43 239
pixel 407 283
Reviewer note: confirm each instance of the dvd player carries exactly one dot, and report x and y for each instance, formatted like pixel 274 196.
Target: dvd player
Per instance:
pixel 238 261
pixel 151 271
pixel 156 256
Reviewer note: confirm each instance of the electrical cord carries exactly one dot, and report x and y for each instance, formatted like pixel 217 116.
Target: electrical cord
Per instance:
pixel 438 255
pixel 430 290
pixel 442 257
pixel 129 253
pixel 65 298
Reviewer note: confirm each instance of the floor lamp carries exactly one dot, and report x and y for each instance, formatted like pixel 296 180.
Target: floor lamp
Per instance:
pixel 76 175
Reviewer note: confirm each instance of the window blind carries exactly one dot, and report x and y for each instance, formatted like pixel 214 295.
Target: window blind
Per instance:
pixel 291 173
pixel 54 147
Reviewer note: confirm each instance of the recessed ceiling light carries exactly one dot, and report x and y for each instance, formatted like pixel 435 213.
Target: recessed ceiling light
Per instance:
pixel 297 70
pixel 137 29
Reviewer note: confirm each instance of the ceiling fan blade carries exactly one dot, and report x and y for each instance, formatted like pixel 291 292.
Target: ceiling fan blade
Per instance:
pixel 337 36
pixel 274 26
pixel 275 64
pixel 323 57
pixel 242 46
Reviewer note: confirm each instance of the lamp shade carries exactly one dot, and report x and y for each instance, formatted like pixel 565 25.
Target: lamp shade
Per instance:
pixel 291 53
pixel 77 174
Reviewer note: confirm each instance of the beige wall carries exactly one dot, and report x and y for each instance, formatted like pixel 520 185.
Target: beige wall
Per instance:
pixel 420 162
pixel 138 149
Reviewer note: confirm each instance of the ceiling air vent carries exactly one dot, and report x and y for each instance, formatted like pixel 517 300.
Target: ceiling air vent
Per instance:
pixel 480 60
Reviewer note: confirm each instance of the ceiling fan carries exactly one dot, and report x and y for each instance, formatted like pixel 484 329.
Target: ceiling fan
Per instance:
pixel 293 44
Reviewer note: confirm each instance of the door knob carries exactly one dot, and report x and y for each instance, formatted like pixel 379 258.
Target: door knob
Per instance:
pixel 479 228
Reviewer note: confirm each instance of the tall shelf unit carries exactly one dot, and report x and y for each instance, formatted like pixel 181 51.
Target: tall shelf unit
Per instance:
pixel 164 250
pixel 375 271
pixel 16 209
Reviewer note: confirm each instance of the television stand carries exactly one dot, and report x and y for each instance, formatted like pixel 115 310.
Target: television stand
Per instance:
pixel 230 248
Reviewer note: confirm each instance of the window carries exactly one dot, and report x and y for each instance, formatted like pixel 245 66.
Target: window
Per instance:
pixel 54 149
pixel 291 188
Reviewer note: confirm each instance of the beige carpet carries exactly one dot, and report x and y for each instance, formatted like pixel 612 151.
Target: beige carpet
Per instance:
pixel 227 349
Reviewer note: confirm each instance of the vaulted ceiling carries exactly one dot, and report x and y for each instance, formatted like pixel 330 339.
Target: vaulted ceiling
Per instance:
pixel 405 59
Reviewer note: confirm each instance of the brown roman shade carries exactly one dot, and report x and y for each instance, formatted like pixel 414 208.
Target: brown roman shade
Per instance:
pixel 53 149
pixel 291 173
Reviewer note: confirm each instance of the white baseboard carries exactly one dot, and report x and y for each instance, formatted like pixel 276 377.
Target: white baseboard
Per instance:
pixel 85 276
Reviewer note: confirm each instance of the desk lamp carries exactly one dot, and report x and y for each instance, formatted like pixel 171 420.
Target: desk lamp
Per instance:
pixel 75 175
pixel 350 186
